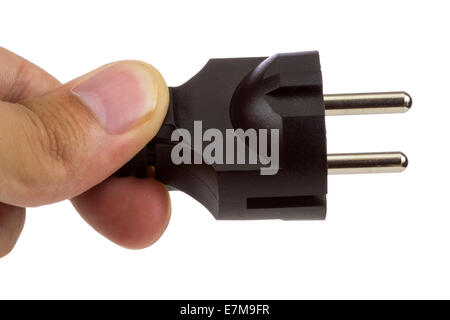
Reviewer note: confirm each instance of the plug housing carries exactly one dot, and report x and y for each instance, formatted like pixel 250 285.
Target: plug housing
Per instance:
pixel 282 92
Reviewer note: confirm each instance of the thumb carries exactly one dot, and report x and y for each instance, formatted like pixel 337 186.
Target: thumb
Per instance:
pixel 63 143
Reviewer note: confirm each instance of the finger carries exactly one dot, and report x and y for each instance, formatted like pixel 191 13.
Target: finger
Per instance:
pixel 65 142
pixel 130 212
pixel 12 220
pixel 20 79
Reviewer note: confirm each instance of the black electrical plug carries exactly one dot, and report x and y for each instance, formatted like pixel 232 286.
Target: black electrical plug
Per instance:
pixel 246 138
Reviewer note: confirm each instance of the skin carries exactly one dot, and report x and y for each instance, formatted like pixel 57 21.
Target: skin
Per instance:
pixel 53 143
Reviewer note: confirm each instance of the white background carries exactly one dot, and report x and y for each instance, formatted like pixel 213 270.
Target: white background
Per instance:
pixel 386 236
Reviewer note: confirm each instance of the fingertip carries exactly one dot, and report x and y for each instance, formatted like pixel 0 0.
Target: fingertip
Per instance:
pixel 132 213
pixel 134 84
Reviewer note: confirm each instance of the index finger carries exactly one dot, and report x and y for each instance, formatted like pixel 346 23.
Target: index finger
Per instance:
pixel 21 79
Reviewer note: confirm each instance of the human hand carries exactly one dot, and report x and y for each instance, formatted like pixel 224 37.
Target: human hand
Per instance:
pixel 64 141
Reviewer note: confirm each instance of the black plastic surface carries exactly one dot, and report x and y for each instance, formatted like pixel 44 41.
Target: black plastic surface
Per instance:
pixel 280 92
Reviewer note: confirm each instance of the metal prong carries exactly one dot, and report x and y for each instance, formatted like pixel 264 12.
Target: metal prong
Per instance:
pixel 367 103
pixel 348 163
